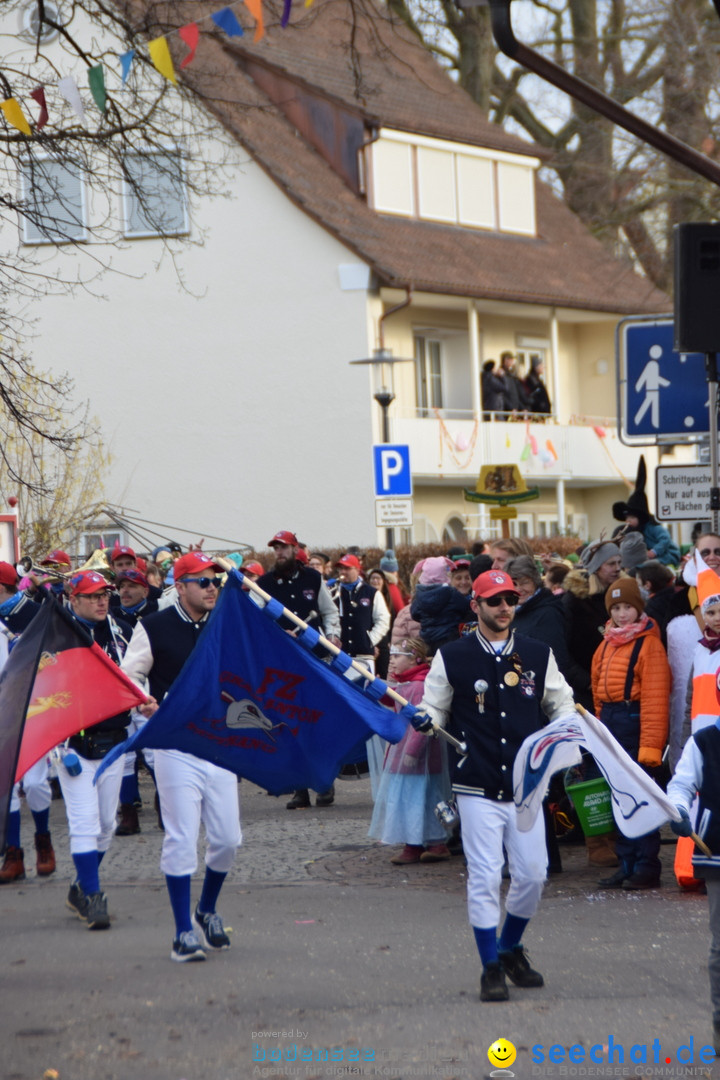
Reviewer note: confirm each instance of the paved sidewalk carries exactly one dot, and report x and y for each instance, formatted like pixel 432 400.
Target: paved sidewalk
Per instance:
pixel 334 947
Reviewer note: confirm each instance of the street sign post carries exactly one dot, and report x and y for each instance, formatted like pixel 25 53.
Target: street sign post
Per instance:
pixel 682 492
pixel 662 394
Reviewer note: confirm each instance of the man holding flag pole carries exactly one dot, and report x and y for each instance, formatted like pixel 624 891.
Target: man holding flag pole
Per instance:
pixel 492 689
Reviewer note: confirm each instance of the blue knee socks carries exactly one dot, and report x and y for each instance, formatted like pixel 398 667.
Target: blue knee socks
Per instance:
pixel 486 940
pixel 210 890
pixel 512 931
pixel 86 867
pixel 42 820
pixel 178 887
pixel 13 829
pixel 129 789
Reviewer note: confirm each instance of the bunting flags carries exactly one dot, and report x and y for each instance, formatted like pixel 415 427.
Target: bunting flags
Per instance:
pixel 227 22
pixel 225 19
pixel 96 82
pixel 15 116
pixel 38 94
pixel 69 90
pixel 190 34
pixel 161 58
pixel 126 63
pixel 256 10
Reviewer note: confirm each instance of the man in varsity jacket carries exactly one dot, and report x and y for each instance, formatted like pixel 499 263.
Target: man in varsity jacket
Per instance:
pixel 491 690
pixel 190 790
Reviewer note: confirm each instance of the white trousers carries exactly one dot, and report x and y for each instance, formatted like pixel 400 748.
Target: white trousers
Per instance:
pixel 91 808
pixel 486 827
pixel 193 791
pixel 36 787
pixel 137 722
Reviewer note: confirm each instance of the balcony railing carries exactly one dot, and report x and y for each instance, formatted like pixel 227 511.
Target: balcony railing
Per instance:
pixel 455 443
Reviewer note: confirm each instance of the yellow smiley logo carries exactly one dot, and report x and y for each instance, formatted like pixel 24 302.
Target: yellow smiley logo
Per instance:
pixel 502 1053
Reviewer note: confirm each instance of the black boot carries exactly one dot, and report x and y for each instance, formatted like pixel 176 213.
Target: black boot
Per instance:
pixel 299 801
pixel 492 984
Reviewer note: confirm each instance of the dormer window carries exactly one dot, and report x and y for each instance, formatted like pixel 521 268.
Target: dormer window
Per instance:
pixel 451 183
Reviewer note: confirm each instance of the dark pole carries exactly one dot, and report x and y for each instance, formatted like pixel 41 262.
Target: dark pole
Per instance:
pixel 384 399
pixel 594 98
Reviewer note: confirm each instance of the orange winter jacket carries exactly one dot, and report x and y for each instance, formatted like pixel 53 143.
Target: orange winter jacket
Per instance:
pixel 651 687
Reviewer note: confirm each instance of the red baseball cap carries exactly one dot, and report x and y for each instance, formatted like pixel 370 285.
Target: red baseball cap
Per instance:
pixel 491 583
pixel 301 556
pixel 252 568
pixel 58 556
pixel 136 576
pixel 8 574
pixel 119 550
pixel 349 560
pixel 195 562
pixel 87 582
pixel 284 538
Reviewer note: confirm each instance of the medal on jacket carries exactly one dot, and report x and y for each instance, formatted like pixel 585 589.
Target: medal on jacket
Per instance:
pixel 480 689
pixel 511 678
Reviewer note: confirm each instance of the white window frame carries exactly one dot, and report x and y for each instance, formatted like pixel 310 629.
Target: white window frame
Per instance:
pixel 129 203
pixel 86 543
pixel 424 378
pixel 26 188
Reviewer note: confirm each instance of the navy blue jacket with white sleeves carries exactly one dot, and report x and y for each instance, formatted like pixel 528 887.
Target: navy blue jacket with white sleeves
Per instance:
pixel 492 700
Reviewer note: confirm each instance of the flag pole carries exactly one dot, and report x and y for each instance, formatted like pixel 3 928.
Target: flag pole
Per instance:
pixel 334 650
pixel 677 816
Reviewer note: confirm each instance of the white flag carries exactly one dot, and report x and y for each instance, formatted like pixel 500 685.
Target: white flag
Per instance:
pixel 69 90
pixel 638 804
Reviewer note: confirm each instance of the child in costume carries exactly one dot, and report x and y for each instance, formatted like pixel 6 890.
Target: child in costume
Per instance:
pixel 414 778
pixel 631 687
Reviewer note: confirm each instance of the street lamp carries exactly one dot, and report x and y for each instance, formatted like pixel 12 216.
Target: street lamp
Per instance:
pixel 381 363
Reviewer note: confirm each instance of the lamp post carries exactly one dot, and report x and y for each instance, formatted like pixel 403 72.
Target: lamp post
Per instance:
pixel 381 363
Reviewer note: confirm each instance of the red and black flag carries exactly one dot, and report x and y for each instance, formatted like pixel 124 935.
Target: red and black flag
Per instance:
pixel 56 682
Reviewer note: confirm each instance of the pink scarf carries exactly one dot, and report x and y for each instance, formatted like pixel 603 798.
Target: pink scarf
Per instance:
pixel 620 635
pixel 710 640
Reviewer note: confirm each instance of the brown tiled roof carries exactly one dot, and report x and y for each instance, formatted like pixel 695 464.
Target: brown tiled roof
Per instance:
pixel 392 79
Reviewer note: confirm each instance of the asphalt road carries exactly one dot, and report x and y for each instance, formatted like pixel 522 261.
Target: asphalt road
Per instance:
pixel 341 964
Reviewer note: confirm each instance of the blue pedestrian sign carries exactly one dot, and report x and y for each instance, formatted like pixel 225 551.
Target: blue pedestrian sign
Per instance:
pixel 662 394
pixel 392 471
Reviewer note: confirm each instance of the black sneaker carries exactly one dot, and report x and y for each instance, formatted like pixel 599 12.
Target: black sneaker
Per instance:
pixel 517 968
pixel 326 798
pixel 299 801
pixel 187 947
pixel 615 881
pixel 492 984
pixel 77 901
pixel 211 931
pixel 97 912
pixel 642 880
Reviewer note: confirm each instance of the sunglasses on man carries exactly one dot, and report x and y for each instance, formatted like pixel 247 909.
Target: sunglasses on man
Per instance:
pixel 203 582
pixel 495 601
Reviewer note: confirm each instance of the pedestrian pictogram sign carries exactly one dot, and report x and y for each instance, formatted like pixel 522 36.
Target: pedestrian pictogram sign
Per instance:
pixel 662 394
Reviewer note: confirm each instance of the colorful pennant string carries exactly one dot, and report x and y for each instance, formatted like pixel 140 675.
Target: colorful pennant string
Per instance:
pixel 190 34
pixel 227 21
pixel 126 63
pixel 15 116
pixel 287 8
pixel 96 82
pixel 69 90
pixel 256 10
pixel 160 55
pixel 38 94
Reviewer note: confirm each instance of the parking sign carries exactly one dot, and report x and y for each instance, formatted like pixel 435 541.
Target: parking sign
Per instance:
pixel 392 470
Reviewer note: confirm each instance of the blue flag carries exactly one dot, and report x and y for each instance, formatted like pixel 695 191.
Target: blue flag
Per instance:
pixel 254 699
pixel 227 21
